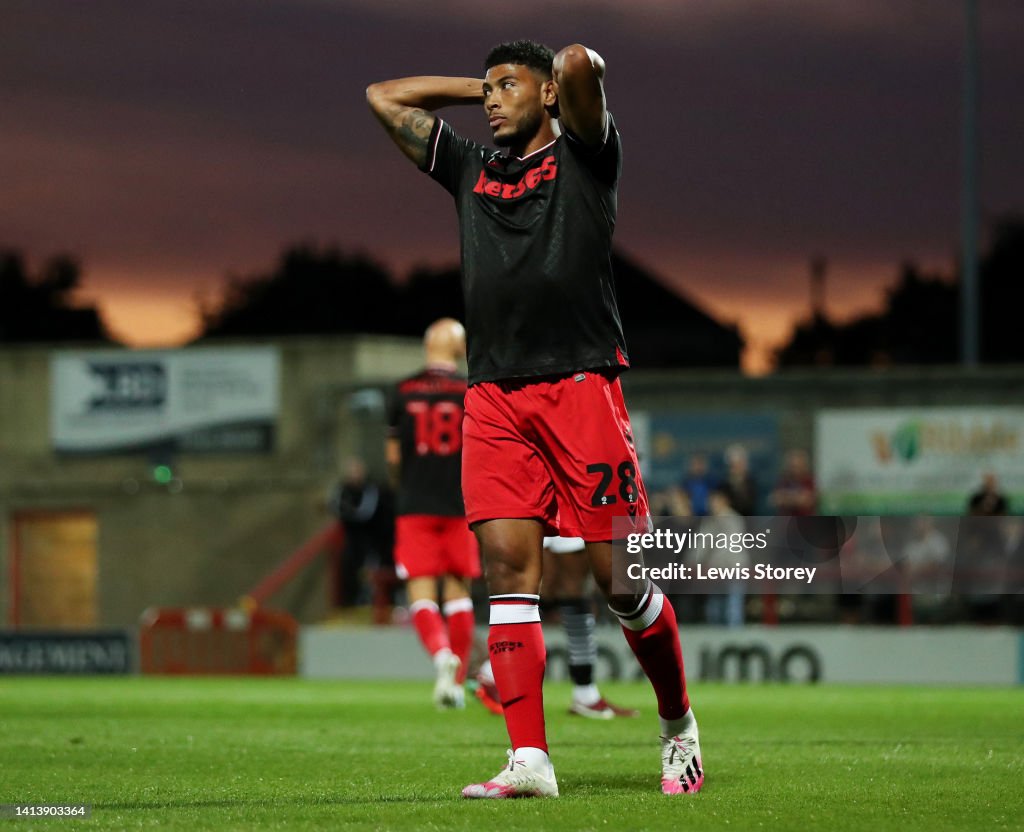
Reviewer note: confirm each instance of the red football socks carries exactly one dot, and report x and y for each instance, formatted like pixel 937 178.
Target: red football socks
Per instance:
pixel 516 646
pixel 459 615
pixel 426 618
pixel 653 635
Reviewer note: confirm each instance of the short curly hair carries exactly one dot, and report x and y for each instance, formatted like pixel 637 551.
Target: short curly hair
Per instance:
pixel 526 53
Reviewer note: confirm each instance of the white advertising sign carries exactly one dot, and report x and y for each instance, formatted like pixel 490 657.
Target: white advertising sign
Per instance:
pixel 795 654
pixel 191 400
pixel 900 460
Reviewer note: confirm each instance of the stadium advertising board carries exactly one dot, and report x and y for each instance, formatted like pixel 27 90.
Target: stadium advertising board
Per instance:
pixel 903 460
pixel 795 654
pixel 65 653
pixel 191 400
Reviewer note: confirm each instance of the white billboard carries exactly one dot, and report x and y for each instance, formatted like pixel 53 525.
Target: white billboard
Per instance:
pixel 191 400
pixel 794 653
pixel 930 459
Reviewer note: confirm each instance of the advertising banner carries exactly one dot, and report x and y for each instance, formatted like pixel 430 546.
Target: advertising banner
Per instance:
pixel 906 460
pixel 65 653
pixel 796 654
pixel 191 400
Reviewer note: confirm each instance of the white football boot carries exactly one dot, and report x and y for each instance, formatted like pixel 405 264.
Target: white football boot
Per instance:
pixel 448 694
pixel 516 780
pixel 682 771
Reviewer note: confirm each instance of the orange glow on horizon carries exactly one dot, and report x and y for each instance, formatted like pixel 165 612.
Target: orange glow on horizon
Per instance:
pixel 143 320
pixel 162 311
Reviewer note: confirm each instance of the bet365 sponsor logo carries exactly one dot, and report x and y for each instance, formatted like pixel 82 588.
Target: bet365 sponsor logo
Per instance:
pixel 546 171
pixel 127 385
pixel 505 647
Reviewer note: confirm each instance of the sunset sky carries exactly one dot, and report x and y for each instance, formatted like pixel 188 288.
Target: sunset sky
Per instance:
pixel 169 144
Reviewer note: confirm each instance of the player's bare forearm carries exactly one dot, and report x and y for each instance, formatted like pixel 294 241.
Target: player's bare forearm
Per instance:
pixel 579 74
pixel 405 107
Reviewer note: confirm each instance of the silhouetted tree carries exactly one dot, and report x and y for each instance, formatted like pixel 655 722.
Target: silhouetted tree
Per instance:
pixel 920 323
pixel 428 295
pixel 327 292
pixel 307 292
pixel 1002 292
pixel 39 308
pixel 917 326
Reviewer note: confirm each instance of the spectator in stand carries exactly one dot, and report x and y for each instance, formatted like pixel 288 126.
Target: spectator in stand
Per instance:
pixel 723 608
pixel 927 564
pixel 697 484
pixel 672 502
pixel 982 552
pixel 366 510
pixel 675 502
pixel 988 501
pixel 739 486
pixel 867 571
pixel 1013 599
pixel 795 494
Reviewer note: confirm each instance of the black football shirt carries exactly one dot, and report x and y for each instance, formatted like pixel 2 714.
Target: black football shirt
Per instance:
pixel 426 417
pixel 536 237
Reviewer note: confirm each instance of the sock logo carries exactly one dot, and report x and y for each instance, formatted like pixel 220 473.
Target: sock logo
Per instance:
pixel 505 646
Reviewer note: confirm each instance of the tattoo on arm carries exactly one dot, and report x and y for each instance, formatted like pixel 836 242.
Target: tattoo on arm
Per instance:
pixel 410 128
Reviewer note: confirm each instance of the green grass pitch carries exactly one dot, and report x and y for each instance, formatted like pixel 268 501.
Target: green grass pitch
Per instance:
pixel 291 754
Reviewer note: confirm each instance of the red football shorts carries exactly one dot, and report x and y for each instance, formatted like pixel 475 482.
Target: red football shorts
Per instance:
pixel 427 546
pixel 559 451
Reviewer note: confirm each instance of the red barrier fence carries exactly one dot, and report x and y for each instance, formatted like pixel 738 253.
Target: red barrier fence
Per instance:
pixel 330 540
pixel 208 641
